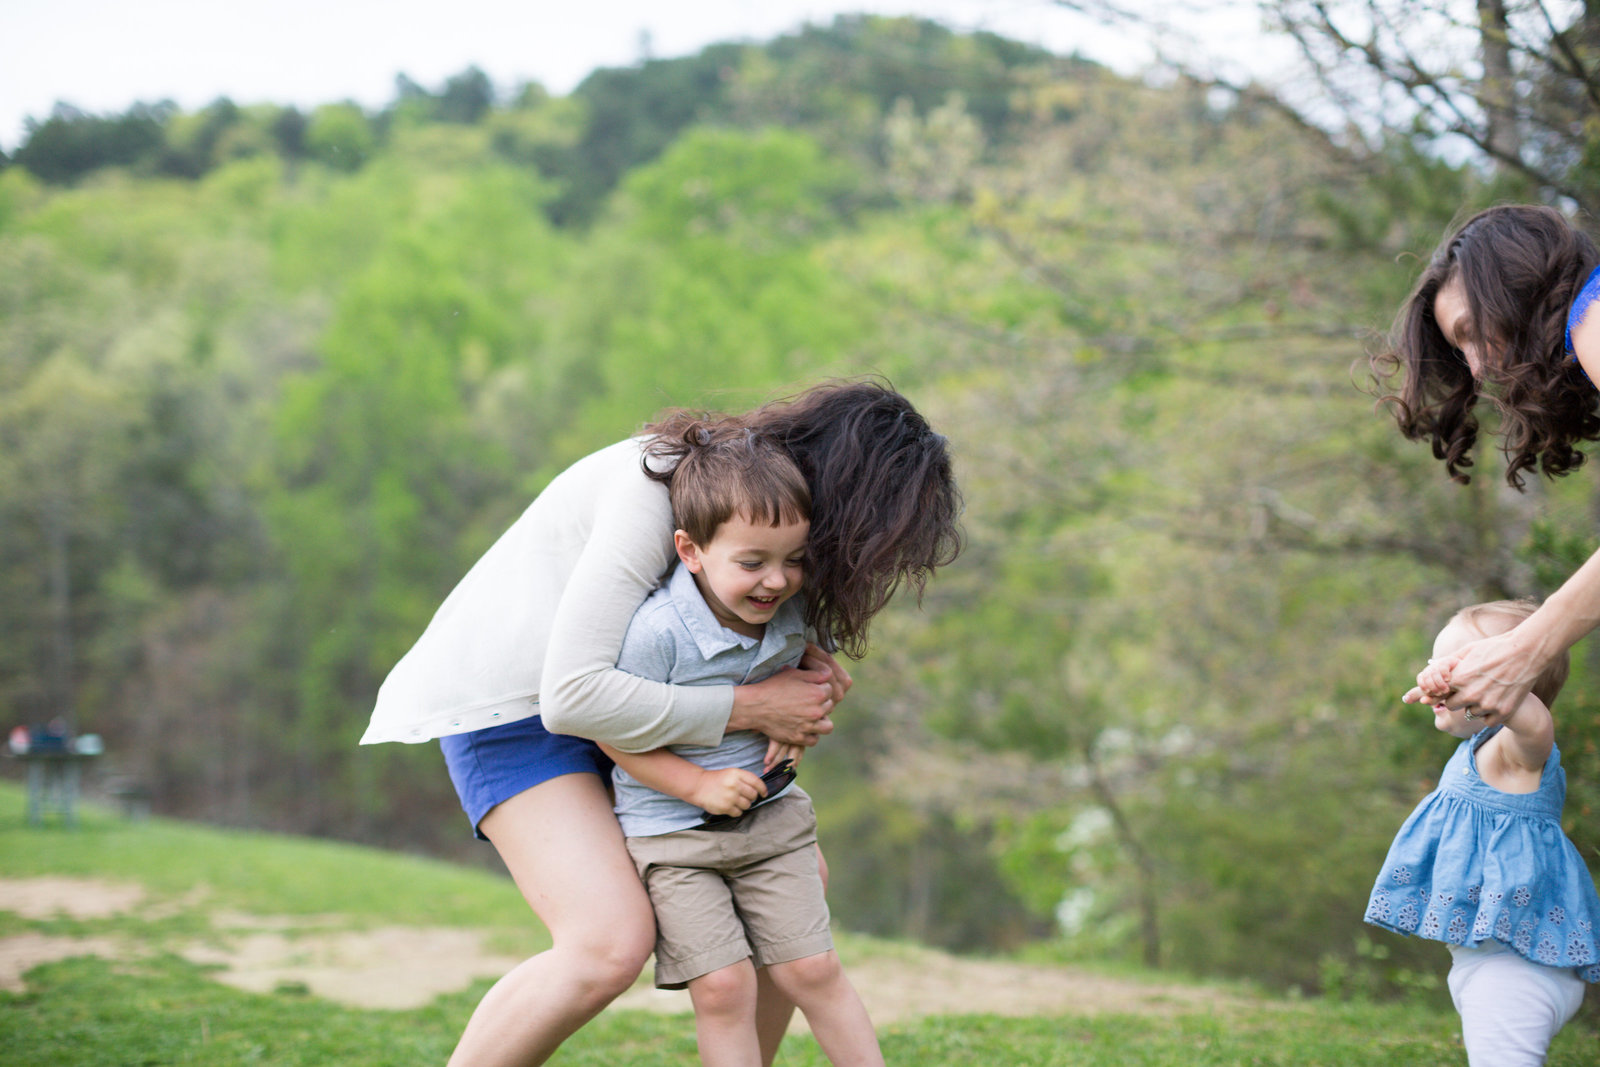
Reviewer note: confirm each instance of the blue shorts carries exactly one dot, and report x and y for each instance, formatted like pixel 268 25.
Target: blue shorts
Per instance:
pixel 495 764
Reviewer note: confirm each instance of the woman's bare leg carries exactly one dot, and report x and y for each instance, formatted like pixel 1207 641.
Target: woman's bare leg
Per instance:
pixel 564 848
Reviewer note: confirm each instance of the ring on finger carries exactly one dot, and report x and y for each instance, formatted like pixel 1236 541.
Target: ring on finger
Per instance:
pixel 1466 709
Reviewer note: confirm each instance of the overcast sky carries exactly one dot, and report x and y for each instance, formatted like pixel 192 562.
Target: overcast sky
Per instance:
pixel 104 55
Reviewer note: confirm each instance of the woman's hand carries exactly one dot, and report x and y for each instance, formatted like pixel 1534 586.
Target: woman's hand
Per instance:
pixel 791 707
pixel 1487 679
pixel 818 658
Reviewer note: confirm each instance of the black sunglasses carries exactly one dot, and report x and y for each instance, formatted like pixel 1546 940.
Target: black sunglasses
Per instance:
pixel 776 780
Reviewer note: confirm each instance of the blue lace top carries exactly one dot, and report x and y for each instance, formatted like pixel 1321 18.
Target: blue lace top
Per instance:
pixel 1473 864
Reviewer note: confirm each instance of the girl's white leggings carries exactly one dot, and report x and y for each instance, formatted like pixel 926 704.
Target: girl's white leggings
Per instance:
pixel 1510 1007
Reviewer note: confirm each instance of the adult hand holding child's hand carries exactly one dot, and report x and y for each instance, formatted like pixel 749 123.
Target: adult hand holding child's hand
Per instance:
pixel 1488 678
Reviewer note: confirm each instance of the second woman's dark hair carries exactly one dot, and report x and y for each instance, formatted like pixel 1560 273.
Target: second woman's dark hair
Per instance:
pixel 885 508
pixel 1520 268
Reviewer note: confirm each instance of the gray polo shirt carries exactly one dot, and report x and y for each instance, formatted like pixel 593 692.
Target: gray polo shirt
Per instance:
pixel 675 638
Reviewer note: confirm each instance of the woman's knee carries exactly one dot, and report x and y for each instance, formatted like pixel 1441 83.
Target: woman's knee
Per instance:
pixel 610 957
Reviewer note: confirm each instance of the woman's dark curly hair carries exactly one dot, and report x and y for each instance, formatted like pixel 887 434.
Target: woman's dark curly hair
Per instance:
pixel 885 508
pixel 1520 268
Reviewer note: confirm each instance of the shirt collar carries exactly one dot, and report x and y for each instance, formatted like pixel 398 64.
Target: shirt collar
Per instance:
pixel 710 636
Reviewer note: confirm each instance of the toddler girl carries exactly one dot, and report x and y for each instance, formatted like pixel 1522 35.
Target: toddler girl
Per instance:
pixel 1483 865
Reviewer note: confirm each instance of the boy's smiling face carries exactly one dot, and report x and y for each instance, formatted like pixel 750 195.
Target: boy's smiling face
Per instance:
pixel 747 570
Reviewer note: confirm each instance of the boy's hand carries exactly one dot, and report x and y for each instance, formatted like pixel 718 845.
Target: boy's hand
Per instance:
pixel 726 792
pixel 777 752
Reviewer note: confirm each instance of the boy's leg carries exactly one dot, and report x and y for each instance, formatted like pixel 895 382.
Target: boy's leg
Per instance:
pixel 780 898
pixel 725 1016
pixel 832 1008
pixel 774 1010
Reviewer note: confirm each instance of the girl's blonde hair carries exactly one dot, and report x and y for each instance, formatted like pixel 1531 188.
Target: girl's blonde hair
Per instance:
pixel 1498 616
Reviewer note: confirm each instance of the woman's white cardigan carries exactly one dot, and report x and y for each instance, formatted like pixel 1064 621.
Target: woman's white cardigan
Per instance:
pixel 535 626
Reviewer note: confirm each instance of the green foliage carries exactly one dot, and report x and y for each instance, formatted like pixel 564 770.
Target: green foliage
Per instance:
pixel 70 143
pixel 382 458
pixel 706 285
pixel 339 136
pixel 877 61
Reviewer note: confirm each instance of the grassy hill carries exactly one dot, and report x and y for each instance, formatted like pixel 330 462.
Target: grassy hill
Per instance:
pixel 148 927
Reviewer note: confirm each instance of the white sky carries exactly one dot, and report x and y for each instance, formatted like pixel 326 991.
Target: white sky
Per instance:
pixel 103 55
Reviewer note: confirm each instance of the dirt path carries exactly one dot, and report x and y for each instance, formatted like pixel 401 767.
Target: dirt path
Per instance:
pixel 406 967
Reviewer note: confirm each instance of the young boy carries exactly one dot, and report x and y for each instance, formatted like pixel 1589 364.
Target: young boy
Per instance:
pixel 736 893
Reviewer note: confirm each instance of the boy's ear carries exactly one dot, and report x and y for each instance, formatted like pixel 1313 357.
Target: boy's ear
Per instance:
pixel 688 551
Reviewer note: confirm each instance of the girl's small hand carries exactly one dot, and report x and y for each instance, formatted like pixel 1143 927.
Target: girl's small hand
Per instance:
pixel 1434 680
pixel 726 792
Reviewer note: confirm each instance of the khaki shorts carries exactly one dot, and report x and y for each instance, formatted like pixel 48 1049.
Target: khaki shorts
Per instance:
pixel 752 890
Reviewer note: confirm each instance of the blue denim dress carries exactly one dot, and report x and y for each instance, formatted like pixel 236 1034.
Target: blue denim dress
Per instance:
pixel 1473 864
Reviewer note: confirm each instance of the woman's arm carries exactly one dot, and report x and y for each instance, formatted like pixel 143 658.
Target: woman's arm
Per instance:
pixel 1493 675
pixel 627 549
pixel 582 692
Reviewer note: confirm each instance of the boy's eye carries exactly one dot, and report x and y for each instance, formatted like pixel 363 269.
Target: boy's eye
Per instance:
pixel 795 561
pixel 750 564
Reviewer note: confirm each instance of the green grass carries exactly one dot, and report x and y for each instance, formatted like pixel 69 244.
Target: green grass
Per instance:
pixel 256 872
pixel 156 1008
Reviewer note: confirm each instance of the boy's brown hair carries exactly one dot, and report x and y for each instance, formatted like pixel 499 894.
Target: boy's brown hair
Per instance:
pixel 1498 616
pixel 728 471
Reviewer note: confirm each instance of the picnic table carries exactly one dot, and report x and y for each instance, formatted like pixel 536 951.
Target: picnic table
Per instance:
pixel 55 773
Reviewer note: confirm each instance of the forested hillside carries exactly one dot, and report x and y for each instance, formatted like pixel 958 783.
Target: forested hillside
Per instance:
pixel 271 381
